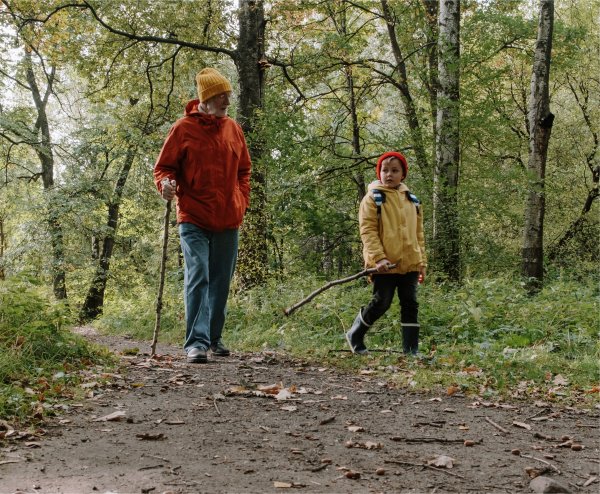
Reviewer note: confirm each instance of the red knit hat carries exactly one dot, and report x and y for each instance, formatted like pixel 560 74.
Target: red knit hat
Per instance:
pixel 390 154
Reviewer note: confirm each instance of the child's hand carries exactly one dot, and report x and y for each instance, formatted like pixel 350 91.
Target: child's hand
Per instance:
pixel 383 266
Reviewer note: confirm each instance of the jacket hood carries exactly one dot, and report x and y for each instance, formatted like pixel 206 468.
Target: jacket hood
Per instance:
pixel 376 184
pixel 192 110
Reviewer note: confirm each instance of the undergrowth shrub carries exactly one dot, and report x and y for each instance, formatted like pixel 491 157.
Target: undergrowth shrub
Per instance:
pixel 485 332
pixel 37 352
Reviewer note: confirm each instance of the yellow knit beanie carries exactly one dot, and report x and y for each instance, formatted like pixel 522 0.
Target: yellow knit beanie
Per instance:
pixel 210 83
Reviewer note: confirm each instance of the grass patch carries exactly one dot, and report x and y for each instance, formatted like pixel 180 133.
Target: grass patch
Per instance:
pixel 487 337
pixel 40 358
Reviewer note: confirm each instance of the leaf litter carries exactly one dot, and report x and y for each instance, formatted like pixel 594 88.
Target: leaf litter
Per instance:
pixel 316 437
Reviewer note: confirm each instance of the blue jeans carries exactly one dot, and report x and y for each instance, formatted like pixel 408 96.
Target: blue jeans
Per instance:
pixel 209 264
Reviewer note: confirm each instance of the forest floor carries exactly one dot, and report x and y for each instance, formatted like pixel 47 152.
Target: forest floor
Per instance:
pixel 263 422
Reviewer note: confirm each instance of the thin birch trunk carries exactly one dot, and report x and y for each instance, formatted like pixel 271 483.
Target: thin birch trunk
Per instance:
pixel 446 244
pixel 540 126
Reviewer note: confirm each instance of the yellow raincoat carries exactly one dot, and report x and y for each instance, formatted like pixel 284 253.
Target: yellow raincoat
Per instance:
pixel 396 235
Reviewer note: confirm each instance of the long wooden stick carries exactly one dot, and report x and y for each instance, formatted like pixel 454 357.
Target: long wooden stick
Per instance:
pixel 365 272
pixel 161 283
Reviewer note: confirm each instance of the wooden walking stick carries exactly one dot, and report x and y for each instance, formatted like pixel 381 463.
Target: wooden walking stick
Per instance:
pixel 161 283
pixel 365 272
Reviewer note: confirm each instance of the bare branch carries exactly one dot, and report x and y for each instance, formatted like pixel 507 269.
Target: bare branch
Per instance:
pixel 85 5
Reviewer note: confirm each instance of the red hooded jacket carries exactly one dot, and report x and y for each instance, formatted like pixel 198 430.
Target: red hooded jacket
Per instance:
pixel 209 159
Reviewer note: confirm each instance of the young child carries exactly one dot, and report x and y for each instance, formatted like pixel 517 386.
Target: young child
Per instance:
pixel 391 230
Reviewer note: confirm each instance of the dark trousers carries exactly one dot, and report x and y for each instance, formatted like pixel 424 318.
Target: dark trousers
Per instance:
pixel 384 287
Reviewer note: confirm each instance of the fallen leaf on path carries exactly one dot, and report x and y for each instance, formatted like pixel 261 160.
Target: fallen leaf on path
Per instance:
pixel 339 397
pixel 112 417
pixel 471 368
pixel 289 408
pixel 442 461
pixel 452 390
pixel 284 394
pixel 522 425
pixel 146 436
pixel 356 428
pixel 532 472
pixel 366 445
pixel 271 389
pixel 559 380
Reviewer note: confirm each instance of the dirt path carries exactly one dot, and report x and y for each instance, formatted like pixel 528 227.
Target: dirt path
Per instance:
pixel 177 427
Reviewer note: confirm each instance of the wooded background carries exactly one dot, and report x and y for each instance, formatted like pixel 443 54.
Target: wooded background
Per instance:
pixel 89 89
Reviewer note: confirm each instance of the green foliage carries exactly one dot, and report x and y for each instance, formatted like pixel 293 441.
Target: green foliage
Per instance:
pixel 488 334
pixel 111 93
pixel 135 316
pixel 39 356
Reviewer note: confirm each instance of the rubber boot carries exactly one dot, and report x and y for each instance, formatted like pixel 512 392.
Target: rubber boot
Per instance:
pixel 410 339
pixel 355 336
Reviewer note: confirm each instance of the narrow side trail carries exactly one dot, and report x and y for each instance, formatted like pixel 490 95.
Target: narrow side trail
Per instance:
pixel 260 423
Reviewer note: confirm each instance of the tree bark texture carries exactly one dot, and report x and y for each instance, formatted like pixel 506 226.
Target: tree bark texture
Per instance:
pixel 540 126
pixel 252 258
pixel 431 12
pixel 2 248
pixel 94 300
pixel 43 149
pixel 358 177
pixel 410 108
pixel 446 242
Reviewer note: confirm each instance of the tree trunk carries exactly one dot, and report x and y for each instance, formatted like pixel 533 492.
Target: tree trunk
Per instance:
pixel 94 301
pixel 402 84
pixel 358 176
pixel 2 248
pixel 43 149
pixel 431 7
pixel 252 259
pixel 540 127
pixel 446 242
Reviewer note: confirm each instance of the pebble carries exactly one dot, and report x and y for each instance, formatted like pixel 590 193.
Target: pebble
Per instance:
pixel 544 484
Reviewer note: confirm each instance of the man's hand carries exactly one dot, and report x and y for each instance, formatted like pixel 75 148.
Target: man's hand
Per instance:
pixel 168 189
